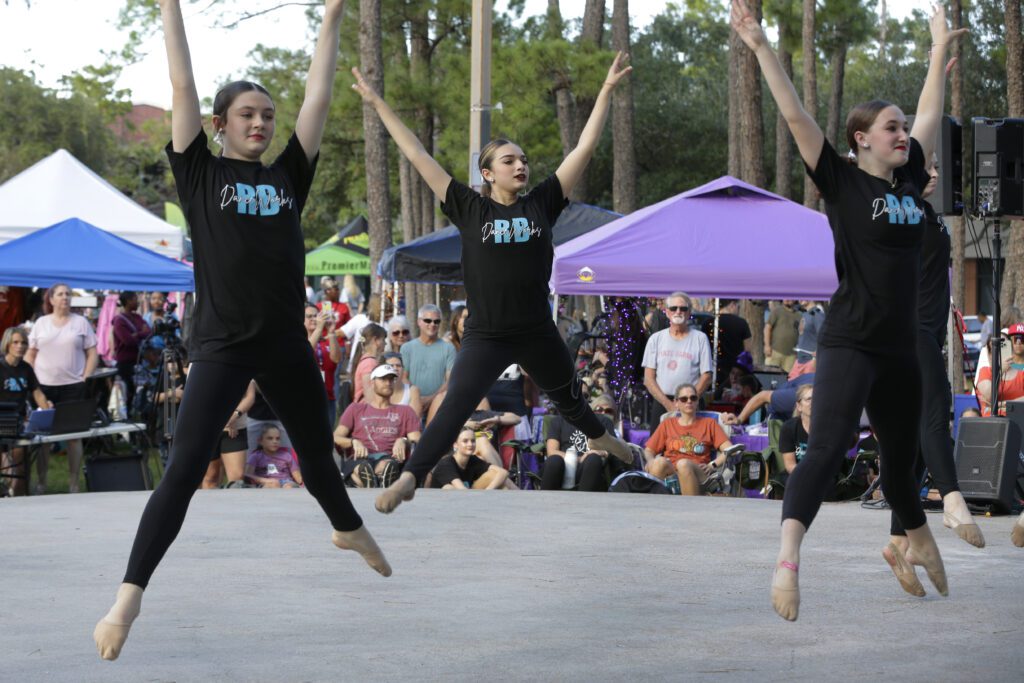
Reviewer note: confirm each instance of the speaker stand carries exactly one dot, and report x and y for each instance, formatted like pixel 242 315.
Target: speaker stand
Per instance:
pixel 997 326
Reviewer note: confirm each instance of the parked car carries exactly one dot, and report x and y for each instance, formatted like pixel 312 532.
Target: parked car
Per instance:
pixel 972 335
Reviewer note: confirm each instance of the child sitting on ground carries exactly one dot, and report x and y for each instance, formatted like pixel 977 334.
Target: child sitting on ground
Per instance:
pixel 272 466
pixel 464 470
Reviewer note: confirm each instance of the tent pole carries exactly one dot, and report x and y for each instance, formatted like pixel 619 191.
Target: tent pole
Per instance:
pixel 437 295
pixel 394 301
pixel 383 300
pixel 554 307
pixel 714 366
pixel 603 309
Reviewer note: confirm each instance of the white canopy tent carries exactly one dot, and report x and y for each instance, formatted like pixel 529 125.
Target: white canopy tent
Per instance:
pixel 60 187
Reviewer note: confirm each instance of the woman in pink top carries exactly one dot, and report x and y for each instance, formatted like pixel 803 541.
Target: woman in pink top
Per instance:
pixel 62 351
pixel 370 346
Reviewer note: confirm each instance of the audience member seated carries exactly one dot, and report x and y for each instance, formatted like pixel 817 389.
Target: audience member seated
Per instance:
pixel 371 344
pixel 487 424
pixel 272 466
pixel 781 402
pixel 463 470
pixel 457 326
pixel 740 387
pixel 513 392
pixel 260 415
pixel 793 437
pixel 17 383
pixel 682 444
pixel 410 393
pixel 377 433
pixel 1011 380
pixel 970 412
pixel 594 469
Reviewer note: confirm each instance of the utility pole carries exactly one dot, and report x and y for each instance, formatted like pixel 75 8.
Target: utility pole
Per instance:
pixel 480 87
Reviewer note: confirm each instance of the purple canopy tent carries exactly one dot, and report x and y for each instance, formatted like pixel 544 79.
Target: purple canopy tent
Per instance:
pixel 724 239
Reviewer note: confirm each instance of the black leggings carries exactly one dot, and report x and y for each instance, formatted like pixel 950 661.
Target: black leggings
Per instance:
pixel 480 361
pixel 296 393
pixel 936 442
pixel 845 382
pixel 589 474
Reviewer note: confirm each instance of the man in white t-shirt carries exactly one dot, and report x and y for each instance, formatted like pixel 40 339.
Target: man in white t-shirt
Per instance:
pixel 677 355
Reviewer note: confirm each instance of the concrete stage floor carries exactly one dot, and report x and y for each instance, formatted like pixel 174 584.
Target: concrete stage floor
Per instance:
pixel 497 586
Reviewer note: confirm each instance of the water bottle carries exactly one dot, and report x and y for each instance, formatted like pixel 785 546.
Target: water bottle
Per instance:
pixel 673 484
pixel 572 459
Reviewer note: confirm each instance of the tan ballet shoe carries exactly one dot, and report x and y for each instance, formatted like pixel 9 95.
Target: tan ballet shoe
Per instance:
pixel 786 601
pixel 903 570
pixel 968 531
pixel 932 563
pixel 612 444
pixel 401 491
pixel 110 638
pixel 362 542
pixel 1017 535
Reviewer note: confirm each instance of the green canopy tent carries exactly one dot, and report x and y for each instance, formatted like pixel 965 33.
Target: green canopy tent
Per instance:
pixel 345 253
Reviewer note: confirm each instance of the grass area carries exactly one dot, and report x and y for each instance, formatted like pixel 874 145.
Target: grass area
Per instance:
pixel 57 476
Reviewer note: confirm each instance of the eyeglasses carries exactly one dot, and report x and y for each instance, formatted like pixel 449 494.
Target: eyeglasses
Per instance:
pixel 431 321
pixel 399 333
pixel 681 309
pixel 1018 339
pixel 687 399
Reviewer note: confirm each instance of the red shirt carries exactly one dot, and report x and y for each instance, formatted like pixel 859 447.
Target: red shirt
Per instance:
pixel 692 442
pixel 1009 389
pixel 327 366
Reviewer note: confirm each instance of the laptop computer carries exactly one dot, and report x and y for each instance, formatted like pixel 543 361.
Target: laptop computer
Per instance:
pixel 65 418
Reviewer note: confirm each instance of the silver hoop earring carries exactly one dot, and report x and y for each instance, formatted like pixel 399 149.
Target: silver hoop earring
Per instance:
pixel 218 137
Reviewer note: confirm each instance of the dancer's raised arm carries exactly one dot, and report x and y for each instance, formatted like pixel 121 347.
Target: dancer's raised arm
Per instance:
pixel 309 126
pixel 431 171
pixel 186 121
pixel 571 169
pixel 804 128
pixel 932 101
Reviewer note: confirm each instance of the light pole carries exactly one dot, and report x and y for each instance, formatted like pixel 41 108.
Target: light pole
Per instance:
pixel 480 87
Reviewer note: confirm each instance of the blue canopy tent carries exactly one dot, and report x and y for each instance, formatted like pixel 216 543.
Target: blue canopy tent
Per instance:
pixel 437 257
pixel 84 256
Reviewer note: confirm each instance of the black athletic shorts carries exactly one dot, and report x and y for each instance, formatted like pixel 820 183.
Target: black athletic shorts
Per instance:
pixel 63 393
pixel 228 445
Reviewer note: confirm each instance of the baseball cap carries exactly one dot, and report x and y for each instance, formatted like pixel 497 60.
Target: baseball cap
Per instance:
pixel 1016 329
pixel 383 370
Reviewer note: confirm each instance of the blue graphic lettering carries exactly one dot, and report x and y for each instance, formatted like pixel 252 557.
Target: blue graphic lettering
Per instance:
pixel 522 229
pixel 895 214
pixel 269 204
pixel 246 198
pixel 910 210
pixel 502 231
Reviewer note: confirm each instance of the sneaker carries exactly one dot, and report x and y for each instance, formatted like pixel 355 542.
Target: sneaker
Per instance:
pixel 364 472
pixel 236 484
pixel 389 473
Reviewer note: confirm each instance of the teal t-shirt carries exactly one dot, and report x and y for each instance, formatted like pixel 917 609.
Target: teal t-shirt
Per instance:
pixel 427 365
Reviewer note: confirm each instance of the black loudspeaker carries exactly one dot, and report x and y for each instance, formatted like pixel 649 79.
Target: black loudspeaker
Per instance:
pixel 998 161
pixel 116 473
pixel 987 450
pixel 948 198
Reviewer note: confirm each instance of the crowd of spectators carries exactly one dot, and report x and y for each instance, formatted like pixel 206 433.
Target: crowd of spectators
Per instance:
pixel 383 386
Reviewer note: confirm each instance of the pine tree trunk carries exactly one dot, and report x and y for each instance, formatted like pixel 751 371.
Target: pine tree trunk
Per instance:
pixel 591 35
pixel 735 155
pixel 956 223
pixel 810 85
pixel 835 97
pixel 1013 270
pixel 561 85
pixel 752 125
pixel 783 139
pixel 378 203
pixel 753 313
pixel 405 184
pixel 624 168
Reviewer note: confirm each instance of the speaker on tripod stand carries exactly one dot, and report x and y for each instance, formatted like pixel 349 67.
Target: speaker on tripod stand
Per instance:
pixel 999 167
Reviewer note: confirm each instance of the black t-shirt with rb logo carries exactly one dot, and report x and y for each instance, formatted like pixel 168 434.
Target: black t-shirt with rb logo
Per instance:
pixel 249 252
pixel 878 228
pixel 506 255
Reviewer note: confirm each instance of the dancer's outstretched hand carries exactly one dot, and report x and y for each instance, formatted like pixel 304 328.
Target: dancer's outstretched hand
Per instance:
pixel 941 35
pixel 618 69
pixel 334 6
pixel 746 25
pixel 363 88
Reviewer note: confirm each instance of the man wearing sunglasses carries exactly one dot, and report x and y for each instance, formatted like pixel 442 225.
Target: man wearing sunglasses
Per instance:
pixel 428 359
pixel 678 355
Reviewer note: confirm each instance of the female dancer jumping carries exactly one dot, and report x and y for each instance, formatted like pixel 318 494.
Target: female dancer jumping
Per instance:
pixel 506 264
pixel 866 355
pixel 244 216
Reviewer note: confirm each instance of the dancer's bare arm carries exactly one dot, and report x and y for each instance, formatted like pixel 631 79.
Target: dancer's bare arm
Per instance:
pixel 309 126
pixel 186 121
pixel 437 178
pixel 571 169
pixel 932 101
pixel 805 130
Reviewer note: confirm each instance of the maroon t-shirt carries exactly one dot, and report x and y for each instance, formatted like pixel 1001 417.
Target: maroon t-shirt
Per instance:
pixel 379 428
